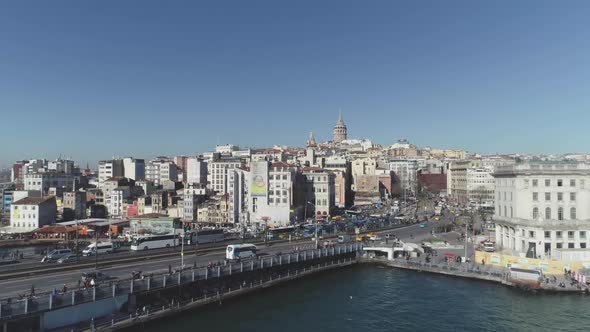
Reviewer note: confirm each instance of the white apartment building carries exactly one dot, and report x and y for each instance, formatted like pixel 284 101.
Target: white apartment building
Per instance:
pixel 406 171
pixel 43 181
pixel 542 208
pixel 196 170
pixel 193 194
pixel 108 169
pixel 159 170
pixel 271 207
pixel 133 169
pixel 239 185
pixel 218 173
pixel 30 213
pixel 320 191
pixel 481 186
pixel 118 197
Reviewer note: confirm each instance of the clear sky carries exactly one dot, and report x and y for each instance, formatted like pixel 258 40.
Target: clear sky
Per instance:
pixel 93 79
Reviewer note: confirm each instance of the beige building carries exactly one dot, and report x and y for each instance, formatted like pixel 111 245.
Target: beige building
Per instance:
pixel 363 166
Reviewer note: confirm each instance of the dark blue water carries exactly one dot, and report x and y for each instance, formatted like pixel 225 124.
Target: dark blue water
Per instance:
pixel 370 298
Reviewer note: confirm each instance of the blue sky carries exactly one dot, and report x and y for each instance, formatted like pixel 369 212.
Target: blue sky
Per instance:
pixel 96 79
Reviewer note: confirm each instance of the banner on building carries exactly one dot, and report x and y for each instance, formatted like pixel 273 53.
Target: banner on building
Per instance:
pixel 259 178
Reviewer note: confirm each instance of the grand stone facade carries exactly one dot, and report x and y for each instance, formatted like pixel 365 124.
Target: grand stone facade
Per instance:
pixel 542 209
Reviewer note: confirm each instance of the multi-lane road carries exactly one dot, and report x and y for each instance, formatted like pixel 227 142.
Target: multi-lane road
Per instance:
pixel 46 282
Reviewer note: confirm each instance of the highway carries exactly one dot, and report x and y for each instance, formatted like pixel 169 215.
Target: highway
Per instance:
pixel 46 282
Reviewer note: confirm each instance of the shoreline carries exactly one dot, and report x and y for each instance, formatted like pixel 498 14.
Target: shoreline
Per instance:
pixel 483 275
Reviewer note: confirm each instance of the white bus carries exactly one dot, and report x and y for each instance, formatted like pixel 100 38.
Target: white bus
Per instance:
pixel 239 251
pixel 100 248
pixel 146 242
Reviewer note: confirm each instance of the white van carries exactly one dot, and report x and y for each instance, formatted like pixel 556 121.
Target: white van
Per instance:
pixel 489 246
pixel 101 248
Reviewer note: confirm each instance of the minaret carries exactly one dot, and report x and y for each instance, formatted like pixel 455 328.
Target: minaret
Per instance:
pixel 340 131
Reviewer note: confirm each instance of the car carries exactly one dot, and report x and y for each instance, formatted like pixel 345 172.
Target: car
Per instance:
pixel 423 225
pixel 66 259
pixel 375 238
pixel 55 255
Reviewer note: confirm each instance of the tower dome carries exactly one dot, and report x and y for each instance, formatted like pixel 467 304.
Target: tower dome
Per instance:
pixel 340 131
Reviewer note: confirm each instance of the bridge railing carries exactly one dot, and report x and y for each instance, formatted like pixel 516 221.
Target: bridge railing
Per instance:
pixel 111 288
pixel 147 312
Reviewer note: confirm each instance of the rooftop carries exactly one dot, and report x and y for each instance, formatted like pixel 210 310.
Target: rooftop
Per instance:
pixel 32 200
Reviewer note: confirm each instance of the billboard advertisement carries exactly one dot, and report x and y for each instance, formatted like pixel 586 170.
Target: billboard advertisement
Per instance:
pixel 258 178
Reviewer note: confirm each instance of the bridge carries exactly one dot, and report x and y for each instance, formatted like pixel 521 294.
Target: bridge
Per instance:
pixel 117 303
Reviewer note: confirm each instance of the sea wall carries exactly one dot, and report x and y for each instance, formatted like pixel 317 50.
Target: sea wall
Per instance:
pixel 549 267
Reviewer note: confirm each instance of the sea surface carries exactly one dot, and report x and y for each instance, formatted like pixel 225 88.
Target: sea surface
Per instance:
pixel 371 298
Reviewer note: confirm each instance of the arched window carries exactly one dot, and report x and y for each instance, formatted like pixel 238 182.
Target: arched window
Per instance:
pixel 535 213
pixel 573 213
pixel 548 213
pixel 560 213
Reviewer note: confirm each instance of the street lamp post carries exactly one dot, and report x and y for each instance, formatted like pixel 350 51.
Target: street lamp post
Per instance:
pixel 96 249
pixel 316 223
pixel 181 251
pixel 76 244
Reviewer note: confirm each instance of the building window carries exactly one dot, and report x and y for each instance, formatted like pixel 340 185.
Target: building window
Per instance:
pixel 548 213
pixel 572 183
pixel 570 245
pixel 573 213
pixel 547 183
pixel 560 197
pixel 560 183
pixel 582 234
pixel 531 234
pixel 547 197
pixel 547 234
pixel 583 245
pixel 511 214
pixel 535 183
pixel 573 197
pixel 558 234
pixel 505 213
pixel 560 213
pixel 558 245
pixel 570 234
pixel 535 213
pixel 535 197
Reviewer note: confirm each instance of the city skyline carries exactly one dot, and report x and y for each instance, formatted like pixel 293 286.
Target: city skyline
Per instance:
pixel 179 79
